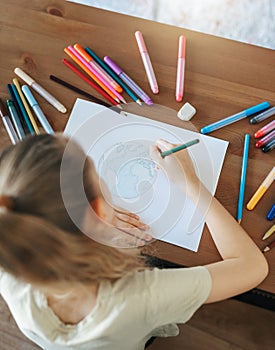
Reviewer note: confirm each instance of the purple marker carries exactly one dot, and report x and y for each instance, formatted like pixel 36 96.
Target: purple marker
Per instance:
pixel 127 80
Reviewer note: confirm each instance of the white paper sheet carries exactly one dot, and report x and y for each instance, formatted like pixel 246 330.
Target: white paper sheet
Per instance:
pixel 119 147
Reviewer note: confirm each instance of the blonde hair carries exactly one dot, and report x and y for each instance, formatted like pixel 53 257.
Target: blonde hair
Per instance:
pixel 39 243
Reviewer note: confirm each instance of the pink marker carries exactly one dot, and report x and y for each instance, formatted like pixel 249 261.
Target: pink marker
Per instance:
pixel 96 67
pixel 180 69
pixel 147 63
pixel 265 130
pixel 99 77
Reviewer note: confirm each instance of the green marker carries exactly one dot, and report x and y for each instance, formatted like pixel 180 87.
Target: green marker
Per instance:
pixel 179 148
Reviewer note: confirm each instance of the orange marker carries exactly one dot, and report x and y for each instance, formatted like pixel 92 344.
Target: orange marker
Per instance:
pixel 97 68
pixel 77 61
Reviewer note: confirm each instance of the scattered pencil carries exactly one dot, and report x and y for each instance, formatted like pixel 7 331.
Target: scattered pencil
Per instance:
pixel 269 232
pixel 269 247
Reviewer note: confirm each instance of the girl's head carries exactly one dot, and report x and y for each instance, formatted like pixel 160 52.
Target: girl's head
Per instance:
pixel 39 242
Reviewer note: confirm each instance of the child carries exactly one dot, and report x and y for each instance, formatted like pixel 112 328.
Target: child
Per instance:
pixel 66 290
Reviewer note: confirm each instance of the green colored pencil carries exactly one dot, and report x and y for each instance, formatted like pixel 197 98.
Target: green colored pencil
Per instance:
pixel 179 148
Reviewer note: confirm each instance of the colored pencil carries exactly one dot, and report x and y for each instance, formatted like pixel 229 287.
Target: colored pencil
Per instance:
pixel 269 247
pixel 269 232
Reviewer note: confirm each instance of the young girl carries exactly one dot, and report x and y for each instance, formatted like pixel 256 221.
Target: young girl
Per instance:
pixel 66 290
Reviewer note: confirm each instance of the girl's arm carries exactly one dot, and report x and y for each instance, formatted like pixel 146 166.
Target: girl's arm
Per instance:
pixel 243 265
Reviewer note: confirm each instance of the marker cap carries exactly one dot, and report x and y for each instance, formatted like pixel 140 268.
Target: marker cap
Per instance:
pixel 140 42
pixel 257 108
pixel 113 65
pixel 182 45
pixel 83 53
pixel 24 76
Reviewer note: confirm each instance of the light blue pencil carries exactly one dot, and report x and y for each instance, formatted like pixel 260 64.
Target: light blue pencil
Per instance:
pixel 243 177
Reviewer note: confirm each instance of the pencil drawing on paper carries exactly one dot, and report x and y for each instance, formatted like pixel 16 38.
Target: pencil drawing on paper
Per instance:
pixel 128 170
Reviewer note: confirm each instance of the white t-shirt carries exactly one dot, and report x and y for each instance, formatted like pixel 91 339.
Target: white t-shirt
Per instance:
pixel 127 313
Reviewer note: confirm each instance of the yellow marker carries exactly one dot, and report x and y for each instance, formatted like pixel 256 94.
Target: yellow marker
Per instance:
pixel 27 108
pixel 269 232
pixel 261 190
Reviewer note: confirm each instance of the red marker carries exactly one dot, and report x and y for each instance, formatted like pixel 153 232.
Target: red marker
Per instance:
pixel 268 138
pixel 88 81
pixel 265 130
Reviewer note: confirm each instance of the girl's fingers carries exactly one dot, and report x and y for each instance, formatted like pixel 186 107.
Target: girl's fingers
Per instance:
pixel 135 234
pixel 131 220
pixel 125 212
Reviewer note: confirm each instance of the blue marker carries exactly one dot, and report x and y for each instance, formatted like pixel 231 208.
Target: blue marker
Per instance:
pixel 37 110
pixel 235 117
pixel 271 213
pixel 243 178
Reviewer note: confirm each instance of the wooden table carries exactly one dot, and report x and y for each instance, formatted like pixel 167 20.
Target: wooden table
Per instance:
pixel 222 77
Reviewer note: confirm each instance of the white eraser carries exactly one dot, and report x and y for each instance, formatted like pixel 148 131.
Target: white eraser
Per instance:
pixel 186 112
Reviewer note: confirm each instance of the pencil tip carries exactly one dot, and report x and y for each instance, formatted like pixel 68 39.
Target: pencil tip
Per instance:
pixel 239 221
pixel 266 249
pixel 139 102
pixel 123 100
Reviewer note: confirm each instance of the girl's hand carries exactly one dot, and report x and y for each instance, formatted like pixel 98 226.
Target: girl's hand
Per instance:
pixel 133 232
pixel 131 224
pixel 178 166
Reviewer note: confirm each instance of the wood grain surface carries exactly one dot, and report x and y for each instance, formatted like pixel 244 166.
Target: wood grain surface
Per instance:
pixel 223 77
